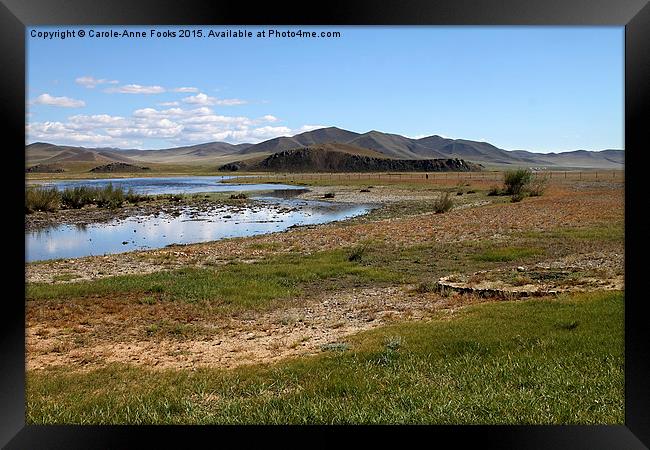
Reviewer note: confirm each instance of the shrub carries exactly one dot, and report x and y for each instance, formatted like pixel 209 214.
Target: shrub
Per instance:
pixel 329 195
pixel 537 185
pixel 240 196
pixel 443 203
pixel 516 180
pixel 42 199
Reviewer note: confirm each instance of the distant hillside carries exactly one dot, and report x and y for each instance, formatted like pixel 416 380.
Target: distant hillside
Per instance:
pixel 387 145
pixel 395 145
pixel 604 159
pixel 320 136
pixel 193 153
pixel 344 158
pixel 40 152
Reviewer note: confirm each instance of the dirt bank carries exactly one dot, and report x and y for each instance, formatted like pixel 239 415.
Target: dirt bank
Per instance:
pixel 90 334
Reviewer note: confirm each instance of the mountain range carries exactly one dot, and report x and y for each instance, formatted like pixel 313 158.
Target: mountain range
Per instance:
pixel 392 146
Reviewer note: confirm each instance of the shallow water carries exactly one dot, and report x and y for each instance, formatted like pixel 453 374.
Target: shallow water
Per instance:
pixel 273 211
pixel 168 185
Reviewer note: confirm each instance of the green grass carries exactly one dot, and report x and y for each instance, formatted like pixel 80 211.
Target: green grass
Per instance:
pixel 603 232
pixel 548 361
pixel 234 285
pixel 503 254
pixel 425 263
pixel 242 285
pixel 64 277
pixel 265 245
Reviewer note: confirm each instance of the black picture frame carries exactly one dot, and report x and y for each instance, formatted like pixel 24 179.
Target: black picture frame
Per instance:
pixel 634 15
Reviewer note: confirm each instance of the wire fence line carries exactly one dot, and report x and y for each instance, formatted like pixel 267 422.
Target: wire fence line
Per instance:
pixel 436 177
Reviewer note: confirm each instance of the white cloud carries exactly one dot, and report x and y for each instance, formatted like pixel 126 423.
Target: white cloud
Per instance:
pixel 203 99
pixel 91 82
pixel 163 128
pixel 199 99
pixel 168 104
pixel 269 132
pixel 62 134
pixel 136 89
pixel 63 102
pixel 186 89
pixel 230 102
pixel 177 126
pixel 84 122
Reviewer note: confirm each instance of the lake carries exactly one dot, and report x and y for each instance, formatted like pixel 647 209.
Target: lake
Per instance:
pixel 169 185
pixel 271 212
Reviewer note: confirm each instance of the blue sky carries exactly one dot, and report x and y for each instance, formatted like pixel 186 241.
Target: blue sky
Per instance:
pixel 541 89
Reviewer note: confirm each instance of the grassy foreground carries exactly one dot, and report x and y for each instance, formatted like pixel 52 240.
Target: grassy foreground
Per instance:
pixel 549 361
pixel 233 286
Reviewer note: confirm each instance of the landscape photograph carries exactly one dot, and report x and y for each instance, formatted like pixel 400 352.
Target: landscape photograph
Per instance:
pixel 324 225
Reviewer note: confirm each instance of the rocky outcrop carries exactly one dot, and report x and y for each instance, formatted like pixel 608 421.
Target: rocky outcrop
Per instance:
pixel 44 168
pixel 314 159
pixel 119 167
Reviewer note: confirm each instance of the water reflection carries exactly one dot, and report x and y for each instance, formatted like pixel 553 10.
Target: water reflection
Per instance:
pixel 170 185
pixel 190 226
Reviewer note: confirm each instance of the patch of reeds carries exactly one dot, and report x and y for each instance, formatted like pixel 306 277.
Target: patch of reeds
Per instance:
pixel 51 199
pixel 42 199
pixel 104 197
